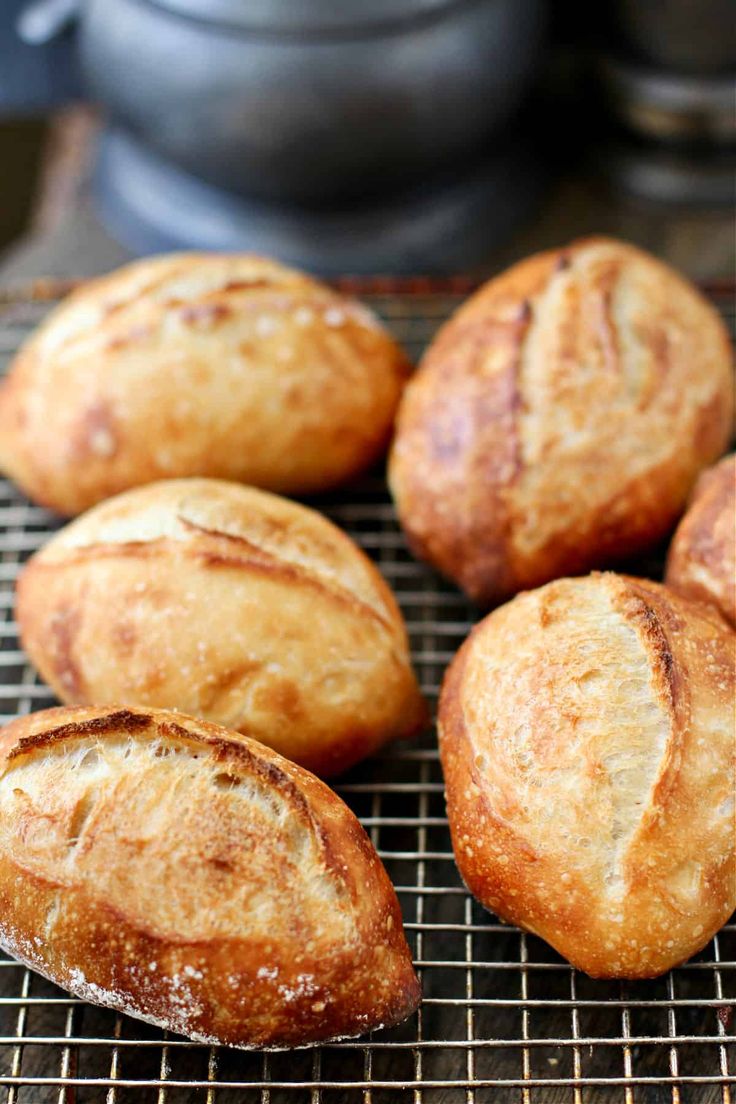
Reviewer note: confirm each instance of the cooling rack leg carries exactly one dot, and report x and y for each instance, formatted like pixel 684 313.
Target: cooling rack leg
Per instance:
pixel 20 1030
pixel 69 1057
pixel 575 1033
pixel 722 1052
pixel 469 1012
pixel 112 1092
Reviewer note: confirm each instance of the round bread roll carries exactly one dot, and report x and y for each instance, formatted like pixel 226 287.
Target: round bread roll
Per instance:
pixel 198 365
pixel 587 740
pixel 559 420
pixel 230 604
pixel 166 868
pixel 702 557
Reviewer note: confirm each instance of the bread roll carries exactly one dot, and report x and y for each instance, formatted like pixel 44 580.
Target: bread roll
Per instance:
pixel 196 364
pixel 702 557
pixel 230 604
pixel 587 740
pixel 559 420
pixel 171 870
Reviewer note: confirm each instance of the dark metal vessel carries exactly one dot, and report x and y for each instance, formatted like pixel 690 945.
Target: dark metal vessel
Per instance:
pixel 305 101
pixel 338 134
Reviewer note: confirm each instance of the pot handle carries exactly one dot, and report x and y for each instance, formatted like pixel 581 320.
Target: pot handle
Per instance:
pixel 43 21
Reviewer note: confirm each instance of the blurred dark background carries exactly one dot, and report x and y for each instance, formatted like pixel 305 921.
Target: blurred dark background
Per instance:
pixel 477 130
pixel 21 153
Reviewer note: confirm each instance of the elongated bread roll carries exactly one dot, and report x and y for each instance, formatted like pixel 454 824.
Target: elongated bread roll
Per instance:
pixel 230 604
pixel 559 420
pixel 198 364
pixel 702 557
pixel 588 744
pixel 169 869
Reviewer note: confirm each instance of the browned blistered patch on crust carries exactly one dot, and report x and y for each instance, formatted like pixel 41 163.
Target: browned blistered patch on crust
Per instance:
pixel 237 901
pixel 97 434
pixel 586 738
pixel 656 339
pixel 125 636
pixel 63 628
pixel 122 721
pixel 132 336
pixel 247 285
pixel 616 394
pixel 204 314
pixel 714 422
pixel 281 696
pixel 231 676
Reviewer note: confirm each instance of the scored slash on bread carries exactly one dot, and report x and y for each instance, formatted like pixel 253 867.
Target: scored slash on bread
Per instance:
pixel 588 746
pixel 229 603
pixel 171 870
pixel 558 421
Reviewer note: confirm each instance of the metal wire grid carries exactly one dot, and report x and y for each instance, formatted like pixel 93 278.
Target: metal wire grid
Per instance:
pixel 503 1017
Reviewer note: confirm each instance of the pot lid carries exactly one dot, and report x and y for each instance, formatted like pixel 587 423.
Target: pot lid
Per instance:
pixel 310 17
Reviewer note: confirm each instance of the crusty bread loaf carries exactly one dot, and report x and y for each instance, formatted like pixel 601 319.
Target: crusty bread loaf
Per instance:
pixel 227 603
pixel 194 364
pixel 169 869
pixel 702 556
pixel 588 744
pixel 559 420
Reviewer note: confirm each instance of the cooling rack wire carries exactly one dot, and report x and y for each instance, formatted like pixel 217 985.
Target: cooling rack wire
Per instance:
pixel 504 1019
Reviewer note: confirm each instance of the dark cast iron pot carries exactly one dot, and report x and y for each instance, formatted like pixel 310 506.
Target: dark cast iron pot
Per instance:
pixel 304 100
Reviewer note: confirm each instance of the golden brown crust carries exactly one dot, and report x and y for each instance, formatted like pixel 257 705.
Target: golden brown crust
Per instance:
pixel 560 418
pixel 702 557
pixel 587 741
pixel 169 869
pixel 195 364
pixel 227 603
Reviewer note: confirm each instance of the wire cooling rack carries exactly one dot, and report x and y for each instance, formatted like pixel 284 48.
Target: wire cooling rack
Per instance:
pixel 503 1018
